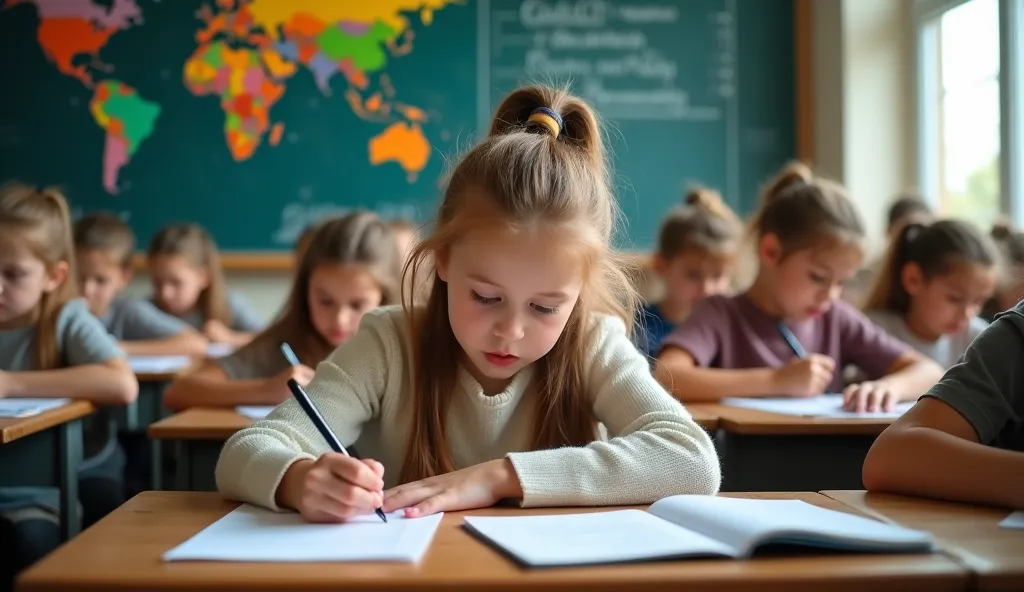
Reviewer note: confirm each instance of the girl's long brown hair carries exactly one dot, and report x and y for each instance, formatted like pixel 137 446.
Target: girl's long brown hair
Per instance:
pixel 520 175
pixel 40 217
pixel 195 244
pixel 360 238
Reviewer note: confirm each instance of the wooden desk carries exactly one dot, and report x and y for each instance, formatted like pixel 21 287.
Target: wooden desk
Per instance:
pixel 705 415
pixel 199 433
pixel 969 533
pixel 764 451
pixel 123 552
pixel 45 450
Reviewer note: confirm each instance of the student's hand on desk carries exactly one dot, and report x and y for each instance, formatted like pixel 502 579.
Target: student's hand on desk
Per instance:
pixel 335 487
pixel 279 382
pixel 805 377
pixel 217 332
pixel 869 396
pixel 478 486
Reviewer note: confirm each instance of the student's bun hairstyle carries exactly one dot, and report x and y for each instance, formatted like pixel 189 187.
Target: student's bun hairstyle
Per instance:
pixel 907 204
pixel 543 163
pixel 703 224
pixel 936 249
pixel 806 211
pixel 39 219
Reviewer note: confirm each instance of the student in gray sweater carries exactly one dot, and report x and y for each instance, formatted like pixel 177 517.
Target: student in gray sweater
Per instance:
pixel 104 247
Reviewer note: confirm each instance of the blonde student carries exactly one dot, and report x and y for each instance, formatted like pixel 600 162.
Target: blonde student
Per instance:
pixel 50 346
pixel 964 440
pixel 697 243
pixel 790 332
pixel 494 389
pixel 934 283
pixel 184 268
pixel 350 266
pixel 104 246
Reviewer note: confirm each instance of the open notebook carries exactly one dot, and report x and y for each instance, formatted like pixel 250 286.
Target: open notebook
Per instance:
pixel 158 364
pixel 829 405
pixel 250 533
pixel 688 526
pixel 254 411
pixel 14 407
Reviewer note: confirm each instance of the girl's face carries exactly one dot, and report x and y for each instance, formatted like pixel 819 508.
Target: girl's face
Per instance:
pixel 24 278
pixel 692 275
pixel 945 304
pixel 339 296
pixel 177 285
pixel 509 298
pixel 805 283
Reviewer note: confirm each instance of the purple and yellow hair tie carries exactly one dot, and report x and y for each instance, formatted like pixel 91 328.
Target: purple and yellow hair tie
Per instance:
pixel 549 118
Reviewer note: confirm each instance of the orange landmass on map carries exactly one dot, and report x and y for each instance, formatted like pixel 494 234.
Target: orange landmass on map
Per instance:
pixel 404 144
pixel 275 134
pixel 63 38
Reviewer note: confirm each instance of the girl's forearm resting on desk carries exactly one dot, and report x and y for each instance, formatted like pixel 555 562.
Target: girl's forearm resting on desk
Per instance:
pixel 693 384
pixel 110 383
pixel 924 461
pixel 211 388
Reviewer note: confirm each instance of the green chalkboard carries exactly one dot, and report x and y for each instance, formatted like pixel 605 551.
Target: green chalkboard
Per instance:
pixel 257 118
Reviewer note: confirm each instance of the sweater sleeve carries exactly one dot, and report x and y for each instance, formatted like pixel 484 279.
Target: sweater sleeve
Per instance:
pixel 655 449
pixel 347 389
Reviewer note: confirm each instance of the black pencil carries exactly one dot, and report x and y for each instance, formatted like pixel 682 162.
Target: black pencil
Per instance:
pixel 321 425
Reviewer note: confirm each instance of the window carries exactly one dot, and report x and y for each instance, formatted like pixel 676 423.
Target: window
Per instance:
pixel 961 116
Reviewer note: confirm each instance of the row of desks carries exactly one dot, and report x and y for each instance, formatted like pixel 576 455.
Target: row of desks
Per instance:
pixel 760 451
pixel 123 552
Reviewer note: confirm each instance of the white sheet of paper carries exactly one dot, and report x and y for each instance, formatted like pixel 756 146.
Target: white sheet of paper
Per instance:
pixel 15 407
pixel 157 364
pixel 821 406
pixel 250 533
pixel 219 350
pixel 592 538
pixel 1014 520
pixel 254 411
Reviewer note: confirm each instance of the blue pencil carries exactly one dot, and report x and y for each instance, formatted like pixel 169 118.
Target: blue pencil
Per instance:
pixel 791 340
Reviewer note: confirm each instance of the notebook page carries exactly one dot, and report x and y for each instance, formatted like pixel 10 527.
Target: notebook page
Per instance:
pixel 250 533
pixel 591 538
pixel 743 524
pixel 830 405
pixel 1014 520
pixel 157 364
pixel 254 411
pixel 15 407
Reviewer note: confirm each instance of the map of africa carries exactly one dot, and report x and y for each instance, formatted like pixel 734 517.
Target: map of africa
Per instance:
pixel 246 52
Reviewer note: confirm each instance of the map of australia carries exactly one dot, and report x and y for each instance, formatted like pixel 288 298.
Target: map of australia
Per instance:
pixel 246 53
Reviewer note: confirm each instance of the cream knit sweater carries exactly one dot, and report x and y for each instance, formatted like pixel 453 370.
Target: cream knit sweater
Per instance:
pixel 363 391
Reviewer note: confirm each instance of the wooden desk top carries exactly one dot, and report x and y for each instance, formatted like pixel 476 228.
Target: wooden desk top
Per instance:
pixel 199 423
pixel 969 533
pixel 123 552
pixel 704 415
pixel 739 420
pixel 13 428
pixel 158 376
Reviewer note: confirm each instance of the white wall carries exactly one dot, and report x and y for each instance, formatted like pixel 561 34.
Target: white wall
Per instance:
pixel 862 85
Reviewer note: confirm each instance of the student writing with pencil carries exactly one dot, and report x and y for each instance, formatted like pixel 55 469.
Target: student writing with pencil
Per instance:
pixel 494 389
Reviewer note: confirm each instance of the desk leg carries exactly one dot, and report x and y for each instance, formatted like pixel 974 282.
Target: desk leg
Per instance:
pixel 156 458
pixel 69 456
pixel 183 473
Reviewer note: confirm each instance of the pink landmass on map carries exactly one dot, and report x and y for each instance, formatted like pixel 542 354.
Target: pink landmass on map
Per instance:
pixel 121 15
pixel 115 156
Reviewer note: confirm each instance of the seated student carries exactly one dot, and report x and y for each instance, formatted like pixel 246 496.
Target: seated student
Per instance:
pixel 494 389
pixel 1010 288
pixel 933 285
pixel 104 246
pixel 350 266
pixel 50 346
pixel 964 440
pixel 404 232
pixel 808 243
pixel 696 246
pixel 906 209
pixel 184 267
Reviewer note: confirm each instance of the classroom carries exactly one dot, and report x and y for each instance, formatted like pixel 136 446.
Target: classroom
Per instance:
pixel 552 294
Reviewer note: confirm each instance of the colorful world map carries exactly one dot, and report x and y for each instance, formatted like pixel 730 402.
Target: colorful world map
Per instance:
pixel 246 52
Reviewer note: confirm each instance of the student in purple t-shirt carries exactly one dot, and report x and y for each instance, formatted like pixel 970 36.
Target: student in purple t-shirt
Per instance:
pixel 790 334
